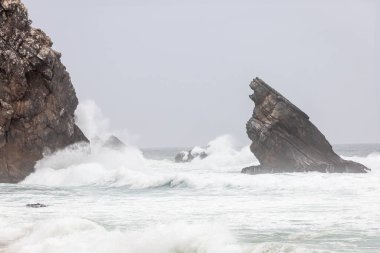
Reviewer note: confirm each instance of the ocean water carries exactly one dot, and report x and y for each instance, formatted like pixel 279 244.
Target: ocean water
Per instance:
pixel 136 201
pixel 101 200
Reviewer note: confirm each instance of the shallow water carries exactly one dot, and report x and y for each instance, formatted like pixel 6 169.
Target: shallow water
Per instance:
pixel 139 202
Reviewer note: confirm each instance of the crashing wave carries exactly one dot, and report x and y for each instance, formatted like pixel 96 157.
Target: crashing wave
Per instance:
pixel 97 164
pixel 82 235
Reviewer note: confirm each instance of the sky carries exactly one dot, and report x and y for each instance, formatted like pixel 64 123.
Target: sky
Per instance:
pixel 176 73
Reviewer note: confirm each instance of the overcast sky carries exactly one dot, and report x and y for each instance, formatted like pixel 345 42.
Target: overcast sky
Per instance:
pixel 176 73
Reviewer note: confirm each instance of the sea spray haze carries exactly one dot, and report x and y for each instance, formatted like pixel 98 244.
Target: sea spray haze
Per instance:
pixel 176 73
pixel 86 164
pixel 111 200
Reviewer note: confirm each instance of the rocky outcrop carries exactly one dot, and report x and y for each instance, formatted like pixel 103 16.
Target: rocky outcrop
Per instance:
pixel 284 139
pixel 37 99
pixel 113 142
pixel 188 156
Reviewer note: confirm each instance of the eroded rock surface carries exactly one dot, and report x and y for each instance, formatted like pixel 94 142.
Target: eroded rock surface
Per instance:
pixel 284 139
pixel 37 99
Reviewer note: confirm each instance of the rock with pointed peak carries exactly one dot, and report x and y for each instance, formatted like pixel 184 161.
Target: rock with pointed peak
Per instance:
pixel 284 139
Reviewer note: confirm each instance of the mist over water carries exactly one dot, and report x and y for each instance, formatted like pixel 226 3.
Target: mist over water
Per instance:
pixel 103 200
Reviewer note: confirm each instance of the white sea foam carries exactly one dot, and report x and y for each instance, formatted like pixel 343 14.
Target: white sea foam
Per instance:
pixel 91 120
pixel 85 165
pixel 81 235
pixel 113 200
pixel 223 155
pixel 95 164
pixel 372 161
pixel 82 165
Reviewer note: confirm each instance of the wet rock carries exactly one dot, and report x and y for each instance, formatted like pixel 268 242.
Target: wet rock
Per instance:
pixel 188 156
pixel 37 98
pixel 114 143
pixel 183 156
pixel 37 205
pixel 284 139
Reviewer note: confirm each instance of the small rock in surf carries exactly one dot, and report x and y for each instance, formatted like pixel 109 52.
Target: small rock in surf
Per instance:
pixel 37 205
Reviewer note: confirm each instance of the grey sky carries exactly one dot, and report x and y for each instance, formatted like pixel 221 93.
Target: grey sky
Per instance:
pixel 176 73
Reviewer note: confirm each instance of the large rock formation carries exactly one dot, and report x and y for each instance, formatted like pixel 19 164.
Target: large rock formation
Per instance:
pixel 37 99
pixel 284 140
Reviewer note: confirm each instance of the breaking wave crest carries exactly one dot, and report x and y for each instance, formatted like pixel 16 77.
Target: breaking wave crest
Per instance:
pixel 83 165
pixel 95 164
pixel 82 235
pixel 109 198
pixel 98 164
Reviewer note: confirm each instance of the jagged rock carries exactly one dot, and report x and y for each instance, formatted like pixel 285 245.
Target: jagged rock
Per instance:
pixel 37 99
pixel 188 156
pixel 284 140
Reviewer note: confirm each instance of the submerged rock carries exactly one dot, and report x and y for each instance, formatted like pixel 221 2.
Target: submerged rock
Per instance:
pixel 38 205
pixel 37 99
pixel 188 156
pixel 113 142
pixel 284 140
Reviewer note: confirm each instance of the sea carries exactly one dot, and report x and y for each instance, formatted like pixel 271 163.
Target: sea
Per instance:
pixel 101 199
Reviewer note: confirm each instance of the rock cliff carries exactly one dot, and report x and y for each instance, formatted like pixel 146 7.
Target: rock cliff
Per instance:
pixel 37 98
pixel 284 139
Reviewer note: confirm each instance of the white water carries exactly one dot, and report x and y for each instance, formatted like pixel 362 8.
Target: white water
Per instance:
pixel 102 201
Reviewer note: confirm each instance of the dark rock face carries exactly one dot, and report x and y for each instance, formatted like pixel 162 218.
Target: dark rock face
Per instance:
pixel 37 99
pixel 284 140
pixel 188 156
